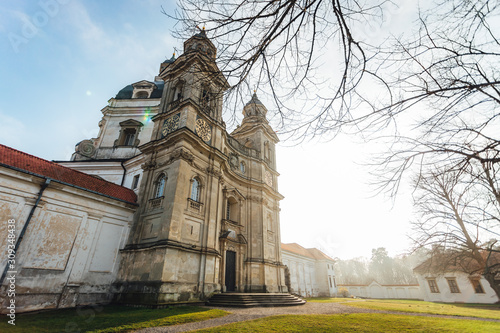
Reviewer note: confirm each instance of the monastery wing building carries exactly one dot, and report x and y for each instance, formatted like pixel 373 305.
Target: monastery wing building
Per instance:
pixel 193 210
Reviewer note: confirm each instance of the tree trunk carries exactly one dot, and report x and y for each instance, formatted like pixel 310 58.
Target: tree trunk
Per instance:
pixel 490 277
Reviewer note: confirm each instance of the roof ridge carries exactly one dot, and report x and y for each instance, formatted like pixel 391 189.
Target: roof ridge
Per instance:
pixel 29 163
pixel 60 166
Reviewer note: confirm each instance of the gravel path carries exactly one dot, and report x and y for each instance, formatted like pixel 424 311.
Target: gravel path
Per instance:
pixel 255 313
pixel 237 315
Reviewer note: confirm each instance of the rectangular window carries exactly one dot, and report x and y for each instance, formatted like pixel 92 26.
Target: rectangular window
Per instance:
pixel 135 182
pixel 330 278
pixel 129 139
pixel 452 282
pixel 478 288
pixel 433 285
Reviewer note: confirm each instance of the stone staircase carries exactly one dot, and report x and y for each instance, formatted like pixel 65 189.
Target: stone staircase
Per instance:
pixel 248 300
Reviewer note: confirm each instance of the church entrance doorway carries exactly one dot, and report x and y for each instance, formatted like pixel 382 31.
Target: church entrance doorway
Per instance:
pixel 230 270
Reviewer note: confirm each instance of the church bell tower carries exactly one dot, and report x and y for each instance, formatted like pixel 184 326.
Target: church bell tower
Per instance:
pixel 208 217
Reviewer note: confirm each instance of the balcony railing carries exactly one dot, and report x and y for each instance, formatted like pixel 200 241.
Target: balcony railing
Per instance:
pixel 195 205
pixel 174 104
pixel 230 221
pixel 155 203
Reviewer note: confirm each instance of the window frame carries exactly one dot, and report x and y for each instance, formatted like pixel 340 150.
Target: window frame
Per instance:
pixel 195 196
pixel 453 285
pixel 479 284
pixel 129 137
pixel 433 286
pixel 135 181
pixel 126 138
pixel 159 192
pixel 233 210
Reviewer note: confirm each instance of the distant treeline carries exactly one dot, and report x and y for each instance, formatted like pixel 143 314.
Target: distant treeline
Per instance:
pixel 380 267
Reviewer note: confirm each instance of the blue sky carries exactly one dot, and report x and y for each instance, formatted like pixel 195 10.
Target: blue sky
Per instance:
pixel 62 60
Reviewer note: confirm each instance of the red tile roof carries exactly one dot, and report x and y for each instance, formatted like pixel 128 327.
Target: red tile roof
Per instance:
pixel 21 161
pixel 311 253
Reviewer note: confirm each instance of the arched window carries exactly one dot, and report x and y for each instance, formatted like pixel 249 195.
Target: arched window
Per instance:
pixel 243 167
pixel 205 96
pixel 195 190
pixel 178 91
pixel 160 185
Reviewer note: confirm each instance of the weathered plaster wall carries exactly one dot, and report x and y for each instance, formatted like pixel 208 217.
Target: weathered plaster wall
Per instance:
pixel 69 254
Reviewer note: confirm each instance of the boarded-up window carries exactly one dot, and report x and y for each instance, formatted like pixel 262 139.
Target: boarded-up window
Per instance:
pixel 106 248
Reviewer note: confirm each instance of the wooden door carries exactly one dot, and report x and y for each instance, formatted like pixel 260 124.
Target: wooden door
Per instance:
pixel 230 270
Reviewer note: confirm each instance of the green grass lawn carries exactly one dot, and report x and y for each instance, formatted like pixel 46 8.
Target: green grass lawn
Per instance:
pixel 357 322
pixel 332 300
pixel 491 311
pixel 107 319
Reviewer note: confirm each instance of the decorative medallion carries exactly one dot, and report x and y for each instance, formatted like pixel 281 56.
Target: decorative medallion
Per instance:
pixel 203 130
pixel 170 124
pixel 86 148
pixel 268 178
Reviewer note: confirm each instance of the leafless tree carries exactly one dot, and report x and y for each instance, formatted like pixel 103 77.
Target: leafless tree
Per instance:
pixel 447 78
pixel 380 268
pixel 278 47
pixel 446 72
pixel 444 77
pixel 460 219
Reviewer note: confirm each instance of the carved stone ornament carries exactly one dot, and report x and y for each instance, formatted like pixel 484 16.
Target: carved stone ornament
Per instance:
pixel 149 165
pixel 268 177
pixel 233 161
pixel 255 198
pixel 259 200
pixel 214 172
pixel 86 148
pixel 182 153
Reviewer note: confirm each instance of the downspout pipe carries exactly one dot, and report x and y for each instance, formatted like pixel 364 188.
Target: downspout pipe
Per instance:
pixel 124 173
pixel 25 227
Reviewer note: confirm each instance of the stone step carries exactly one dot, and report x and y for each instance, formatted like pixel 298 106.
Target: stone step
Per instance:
pixel 254 300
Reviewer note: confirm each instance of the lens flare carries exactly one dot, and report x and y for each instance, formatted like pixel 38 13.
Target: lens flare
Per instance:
pixel 147 117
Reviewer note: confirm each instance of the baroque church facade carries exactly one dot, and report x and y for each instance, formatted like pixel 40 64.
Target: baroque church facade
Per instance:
pixel 163 206
pixel 208 216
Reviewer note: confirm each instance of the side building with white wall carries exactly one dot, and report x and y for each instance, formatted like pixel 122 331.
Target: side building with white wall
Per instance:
pixel 309 271
pixel 377 290
pixel 69 228
pixel 450 284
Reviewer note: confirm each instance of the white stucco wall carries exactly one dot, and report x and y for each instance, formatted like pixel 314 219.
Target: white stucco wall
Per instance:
pixel 376 290
pixel 309 277
pixel 467 293
pixel 70 252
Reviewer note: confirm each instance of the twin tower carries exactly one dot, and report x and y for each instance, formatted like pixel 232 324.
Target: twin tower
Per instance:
pixel 208 213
